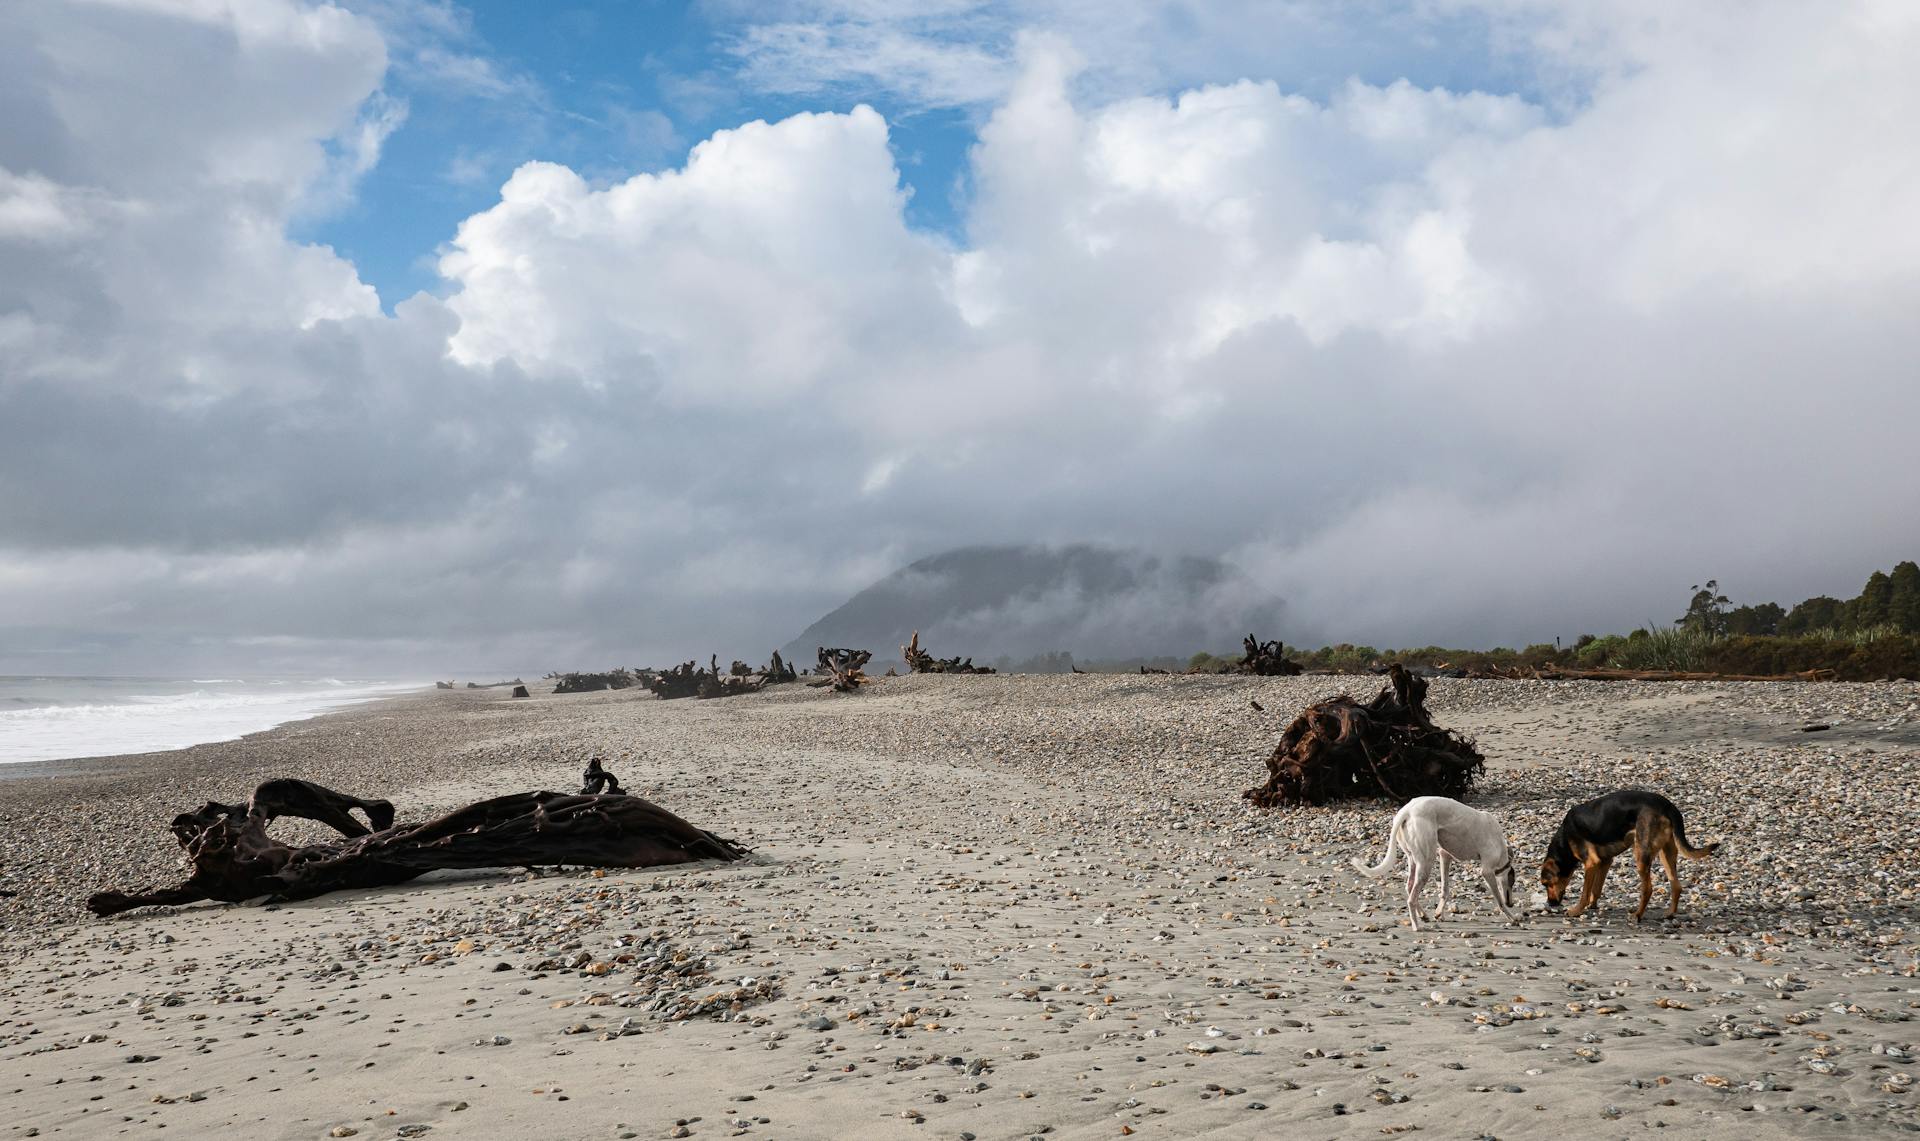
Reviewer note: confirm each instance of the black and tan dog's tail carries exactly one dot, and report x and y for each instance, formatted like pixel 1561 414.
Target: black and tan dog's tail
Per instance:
pixel 1687 849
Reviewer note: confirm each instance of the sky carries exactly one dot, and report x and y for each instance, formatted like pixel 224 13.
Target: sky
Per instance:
pixel 406 335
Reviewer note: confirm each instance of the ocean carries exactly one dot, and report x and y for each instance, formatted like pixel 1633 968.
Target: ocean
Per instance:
pixel 56 718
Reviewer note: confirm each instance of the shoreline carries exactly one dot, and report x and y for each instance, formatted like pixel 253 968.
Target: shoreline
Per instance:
pixel 1009 906
pixel 132 763
pixel 191 718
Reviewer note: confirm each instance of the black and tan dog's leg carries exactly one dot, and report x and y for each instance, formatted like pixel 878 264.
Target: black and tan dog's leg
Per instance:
pixel 1669 856
pixel 1643 860
pixel 1649 836
pixel 1592 878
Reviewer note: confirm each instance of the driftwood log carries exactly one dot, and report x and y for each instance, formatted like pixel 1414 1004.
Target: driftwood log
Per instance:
pixel 1266 659
pixel 682 680
pixel 740 678
pixel 234 859
pixel 1340 749
pixel 841 668
pixel 921 662
pixel 688 679
pixel 621 678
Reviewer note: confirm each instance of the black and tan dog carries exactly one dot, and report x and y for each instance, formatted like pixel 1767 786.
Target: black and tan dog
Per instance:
pixel 1595 832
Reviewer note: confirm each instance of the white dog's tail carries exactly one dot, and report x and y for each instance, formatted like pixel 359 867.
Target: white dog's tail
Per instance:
pixel 1387 863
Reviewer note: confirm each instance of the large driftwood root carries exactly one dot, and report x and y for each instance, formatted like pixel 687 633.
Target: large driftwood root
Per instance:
pixel 1339 749
pixel 286 797
pixel 234 859
pixel 841 668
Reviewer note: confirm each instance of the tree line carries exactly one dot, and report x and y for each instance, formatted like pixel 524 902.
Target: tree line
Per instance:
pixel 1889 602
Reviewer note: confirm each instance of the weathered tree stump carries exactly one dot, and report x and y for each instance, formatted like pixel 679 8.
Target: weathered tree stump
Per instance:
pixel 842 668
pixel 1339 749
pixel 595 780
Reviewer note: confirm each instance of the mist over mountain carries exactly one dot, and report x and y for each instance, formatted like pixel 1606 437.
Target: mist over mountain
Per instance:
pixel 1019 601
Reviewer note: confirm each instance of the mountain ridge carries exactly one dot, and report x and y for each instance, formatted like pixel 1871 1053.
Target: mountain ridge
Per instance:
pixel 1090 600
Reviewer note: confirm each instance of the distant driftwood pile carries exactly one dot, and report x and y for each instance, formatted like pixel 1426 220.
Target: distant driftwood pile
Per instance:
pixel 688 680
pixel 234 859
pixel 621 678
pixel 1339 749
pixel 1266 659
pixel 1257 659
pixel 921 662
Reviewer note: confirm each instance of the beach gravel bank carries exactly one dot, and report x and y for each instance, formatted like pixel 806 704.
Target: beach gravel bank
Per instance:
pixel 989 907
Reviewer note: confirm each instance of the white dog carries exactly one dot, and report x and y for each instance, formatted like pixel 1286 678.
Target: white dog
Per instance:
pixel 1433 829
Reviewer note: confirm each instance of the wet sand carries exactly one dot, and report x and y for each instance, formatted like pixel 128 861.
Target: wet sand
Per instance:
pixel 988 907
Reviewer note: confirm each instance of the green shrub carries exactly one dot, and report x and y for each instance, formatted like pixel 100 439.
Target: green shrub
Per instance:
pixel 1881 651
pixel 1602 653
pixel 1206 663
pixel 1540 654
pixel 1654 647
pixel 1852 658
pixel 1349 658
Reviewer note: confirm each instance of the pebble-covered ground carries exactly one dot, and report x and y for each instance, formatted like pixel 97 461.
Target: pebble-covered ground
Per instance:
pixel 989 907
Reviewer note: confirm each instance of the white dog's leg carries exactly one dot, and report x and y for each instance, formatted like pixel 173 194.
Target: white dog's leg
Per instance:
pixel 1416 884
pixel 1445 878
pixel 1493 887
pixel 1413 891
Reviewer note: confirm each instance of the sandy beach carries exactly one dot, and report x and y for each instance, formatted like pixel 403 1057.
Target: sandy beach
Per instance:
pixel 988 907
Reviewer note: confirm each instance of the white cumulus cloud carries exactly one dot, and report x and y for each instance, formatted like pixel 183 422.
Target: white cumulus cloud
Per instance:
pixel 1435 364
